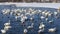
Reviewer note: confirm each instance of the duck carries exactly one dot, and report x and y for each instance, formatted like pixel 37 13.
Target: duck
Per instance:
pixel 52 30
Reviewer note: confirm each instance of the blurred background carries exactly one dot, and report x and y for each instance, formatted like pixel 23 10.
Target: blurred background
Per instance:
pixel 40 1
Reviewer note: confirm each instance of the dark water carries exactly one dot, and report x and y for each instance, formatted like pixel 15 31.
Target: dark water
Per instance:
pixel 17 28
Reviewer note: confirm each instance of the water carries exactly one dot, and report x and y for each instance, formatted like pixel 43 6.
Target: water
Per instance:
pixel 17 27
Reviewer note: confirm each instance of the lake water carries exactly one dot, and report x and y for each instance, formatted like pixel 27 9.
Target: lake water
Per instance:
pixel 17 28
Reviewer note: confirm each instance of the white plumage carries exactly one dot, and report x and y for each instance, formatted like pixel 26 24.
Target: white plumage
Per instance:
pixel 25 31
pixel 7 24
pixel 41 25
pixel 52 29
pixel 30 26
pixel 3 31
pixel 42 17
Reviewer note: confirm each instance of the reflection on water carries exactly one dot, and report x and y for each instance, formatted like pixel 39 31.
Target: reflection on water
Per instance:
pixel 29 20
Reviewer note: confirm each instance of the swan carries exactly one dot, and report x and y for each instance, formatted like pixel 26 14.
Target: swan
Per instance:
pixel 42 17
pixel 46 19
pixel 16 17
pixel 7 27
pixel 5 11
pixel 17 10
pixel 43 12
pixel 27 13
pixel 31 18
pixel 33 12
pixel 41 30
pixel 41 26
pixel 25 31
pixel 6 24
pixel 58 10
pixel 29 27
pixel 3 31
pixel 23 18
pixel 55 13
pixel 51 21
pixel 49 14
pixel 46 13
pixel 17 14
pixel 39 11
pixel 52 30
pixel 30 9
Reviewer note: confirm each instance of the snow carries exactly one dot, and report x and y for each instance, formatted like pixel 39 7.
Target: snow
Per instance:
pixel 49 5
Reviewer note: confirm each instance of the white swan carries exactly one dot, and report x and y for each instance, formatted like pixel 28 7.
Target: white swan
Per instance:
pixel 30 9
pixel 51 21
pixel 5 11
pixel 42 17
pixel 49 14
pixel 52 30
pixel 41 26
pixel 29 27
pixel 31 18
pixel 43 13
pixel 3 31
pixel 6 24
pixel 25 31
pixel 39 11
pixel 17 10
pixel 33 12
pixel 41 30
pixel 55 13
pixel 46 19
pixel 23 18
pixel 7 27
